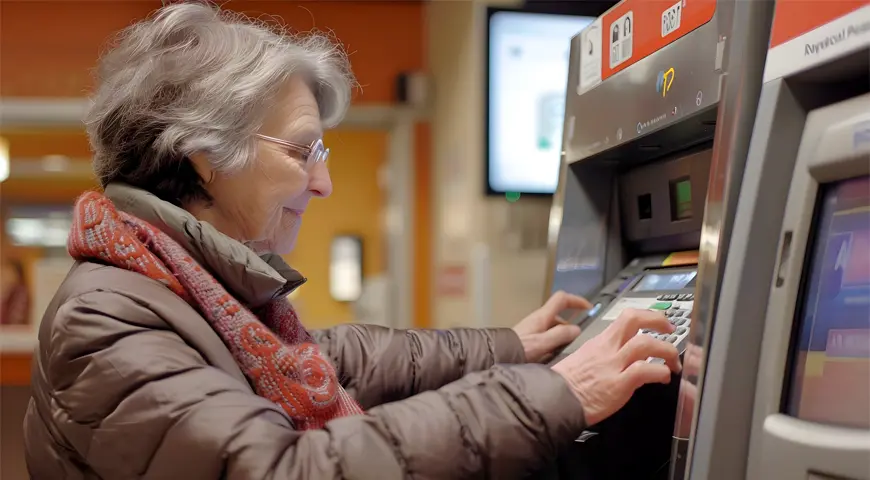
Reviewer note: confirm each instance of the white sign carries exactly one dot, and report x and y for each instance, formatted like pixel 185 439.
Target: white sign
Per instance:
pixel 671 19
pixel 823 44
pixel 590 57
pixel 621 36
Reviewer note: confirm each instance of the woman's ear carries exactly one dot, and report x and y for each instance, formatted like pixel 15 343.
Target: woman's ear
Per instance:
pixel 203 167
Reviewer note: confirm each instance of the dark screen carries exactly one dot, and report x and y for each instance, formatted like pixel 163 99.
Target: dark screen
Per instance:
pixel 831 368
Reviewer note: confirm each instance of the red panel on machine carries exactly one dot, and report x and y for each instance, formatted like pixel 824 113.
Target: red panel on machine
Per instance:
pixel 794 18
pixel 634 29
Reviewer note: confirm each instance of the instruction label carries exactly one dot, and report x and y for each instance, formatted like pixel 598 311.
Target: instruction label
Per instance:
pixel 590 57
pixel 621 39
pixel 671 18
pixel 646 26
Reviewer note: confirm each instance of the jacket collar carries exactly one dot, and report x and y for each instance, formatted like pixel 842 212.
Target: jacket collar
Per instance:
pixel 252 279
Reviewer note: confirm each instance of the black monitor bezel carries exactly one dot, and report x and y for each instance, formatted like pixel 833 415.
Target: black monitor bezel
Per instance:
pixel 577 9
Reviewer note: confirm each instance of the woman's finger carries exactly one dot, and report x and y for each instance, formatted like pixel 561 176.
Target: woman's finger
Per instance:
pixel 561 335
pixel 641 373
pixel 631 320
pixel 565 301
pixel 641 347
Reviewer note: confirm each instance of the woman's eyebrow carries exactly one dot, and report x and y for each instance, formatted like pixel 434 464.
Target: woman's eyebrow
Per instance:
pixel 304 135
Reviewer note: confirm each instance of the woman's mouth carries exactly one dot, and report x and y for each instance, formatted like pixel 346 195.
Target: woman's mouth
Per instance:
pixel 295 211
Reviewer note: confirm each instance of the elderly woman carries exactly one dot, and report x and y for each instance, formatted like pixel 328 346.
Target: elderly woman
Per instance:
pixel 171 350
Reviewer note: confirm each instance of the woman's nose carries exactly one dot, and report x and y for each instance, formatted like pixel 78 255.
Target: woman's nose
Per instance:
pixel 319 182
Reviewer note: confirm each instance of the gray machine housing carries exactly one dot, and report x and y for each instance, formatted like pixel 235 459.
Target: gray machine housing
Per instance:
pixel 637 139
pixel 802 138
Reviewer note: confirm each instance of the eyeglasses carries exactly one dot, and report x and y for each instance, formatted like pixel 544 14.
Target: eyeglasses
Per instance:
pixel 311 154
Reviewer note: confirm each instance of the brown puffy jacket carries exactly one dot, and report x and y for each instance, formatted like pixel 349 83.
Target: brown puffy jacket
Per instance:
pixel 129 382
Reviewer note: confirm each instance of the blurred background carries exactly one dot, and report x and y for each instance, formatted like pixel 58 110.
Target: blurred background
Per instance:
pixel 443 171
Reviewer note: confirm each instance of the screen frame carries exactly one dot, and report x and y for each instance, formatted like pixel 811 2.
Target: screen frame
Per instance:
pixel 574 9
pixel 790 398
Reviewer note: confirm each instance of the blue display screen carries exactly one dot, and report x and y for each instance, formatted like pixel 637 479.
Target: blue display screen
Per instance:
pixel 665 281
pixel 830 380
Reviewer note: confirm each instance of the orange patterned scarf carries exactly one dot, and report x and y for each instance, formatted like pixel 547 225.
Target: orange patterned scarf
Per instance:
pixel 276 353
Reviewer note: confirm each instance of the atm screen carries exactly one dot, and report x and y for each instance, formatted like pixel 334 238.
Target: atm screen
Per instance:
pixel 830 374
pixel 665 281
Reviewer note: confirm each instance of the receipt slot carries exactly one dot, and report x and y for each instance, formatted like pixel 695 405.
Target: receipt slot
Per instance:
pixel 654 147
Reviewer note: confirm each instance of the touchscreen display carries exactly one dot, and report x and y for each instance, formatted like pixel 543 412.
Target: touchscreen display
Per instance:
pixel 830 380
pixel 665 281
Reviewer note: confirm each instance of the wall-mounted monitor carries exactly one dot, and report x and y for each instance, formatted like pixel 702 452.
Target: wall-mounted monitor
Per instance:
pixel 527 73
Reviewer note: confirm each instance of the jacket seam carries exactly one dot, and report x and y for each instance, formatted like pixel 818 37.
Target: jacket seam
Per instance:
pixel 458 347
pixel 511 376
pixel 414 349
pixel 490 345
pixel 465 435
pixel 397 451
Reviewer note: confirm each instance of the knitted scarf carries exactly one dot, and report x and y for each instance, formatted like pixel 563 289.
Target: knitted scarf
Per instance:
pixel 275 352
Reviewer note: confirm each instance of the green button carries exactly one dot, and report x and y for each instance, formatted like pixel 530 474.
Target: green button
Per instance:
pixel 660 306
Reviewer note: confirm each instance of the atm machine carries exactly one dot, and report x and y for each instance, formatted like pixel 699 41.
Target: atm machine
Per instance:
pixel 662 98
pixel 791 344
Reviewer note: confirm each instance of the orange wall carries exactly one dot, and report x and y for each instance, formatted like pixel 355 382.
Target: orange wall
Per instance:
pixel 354 208
pixel 49 48
pixel 384 38
pixel 423 228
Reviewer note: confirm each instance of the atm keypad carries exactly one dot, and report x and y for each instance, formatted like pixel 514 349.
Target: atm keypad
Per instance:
pixel 678 310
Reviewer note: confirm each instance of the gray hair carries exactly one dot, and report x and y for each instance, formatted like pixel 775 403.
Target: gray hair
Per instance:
pixel 194 78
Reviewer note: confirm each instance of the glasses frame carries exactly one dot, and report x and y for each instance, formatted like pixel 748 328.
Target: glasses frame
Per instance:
pixel 312 153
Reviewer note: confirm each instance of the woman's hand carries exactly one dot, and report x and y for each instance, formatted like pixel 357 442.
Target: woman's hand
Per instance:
pixel 606 370
pixel 543 331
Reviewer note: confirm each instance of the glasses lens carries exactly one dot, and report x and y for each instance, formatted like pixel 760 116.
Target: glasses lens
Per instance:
pixel 318 154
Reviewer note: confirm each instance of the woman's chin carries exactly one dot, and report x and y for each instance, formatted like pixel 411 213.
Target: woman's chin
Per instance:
pixel 284 248
pixel 283 243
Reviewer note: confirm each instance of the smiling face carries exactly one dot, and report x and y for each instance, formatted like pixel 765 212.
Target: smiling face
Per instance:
pixel 264 203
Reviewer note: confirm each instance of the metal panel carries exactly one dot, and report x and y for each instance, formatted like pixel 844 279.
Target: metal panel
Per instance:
pixel 624 122
pixel 627 106
pixel 784 447
pixel 729 377
pixel 744 63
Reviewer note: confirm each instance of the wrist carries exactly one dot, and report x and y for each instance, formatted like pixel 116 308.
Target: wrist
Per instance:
pixel 563 372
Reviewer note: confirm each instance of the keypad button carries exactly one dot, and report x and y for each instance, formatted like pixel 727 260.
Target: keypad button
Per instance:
pixel 681 321
pixel 672 338
pixel 681 330
pixel 661 306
